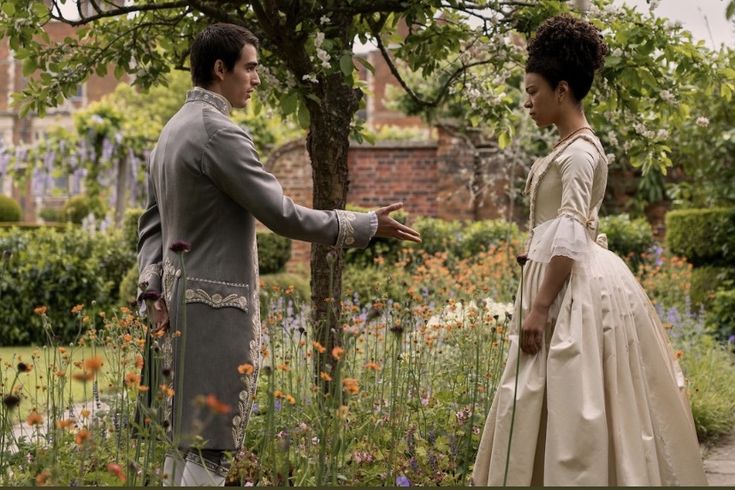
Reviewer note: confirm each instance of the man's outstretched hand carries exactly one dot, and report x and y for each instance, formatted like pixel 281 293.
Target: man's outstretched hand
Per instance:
pixel 390 228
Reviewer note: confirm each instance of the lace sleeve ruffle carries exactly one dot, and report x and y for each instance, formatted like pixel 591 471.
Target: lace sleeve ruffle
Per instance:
pixel 564 235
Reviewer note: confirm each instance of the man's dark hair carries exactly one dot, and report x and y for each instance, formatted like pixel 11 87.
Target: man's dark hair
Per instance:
pixel 217 42
pixel 567 49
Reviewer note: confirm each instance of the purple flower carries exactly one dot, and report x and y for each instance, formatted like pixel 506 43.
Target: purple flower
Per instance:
pixel 731 339
pixel 180 246
pixel 11 401
pixel 403 481
pixel 522 259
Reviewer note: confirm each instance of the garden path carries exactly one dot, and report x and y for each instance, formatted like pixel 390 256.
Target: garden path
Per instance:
pixel 719 463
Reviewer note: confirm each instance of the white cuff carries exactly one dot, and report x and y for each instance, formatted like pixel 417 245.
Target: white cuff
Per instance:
pixel 373 223
pixel 560 236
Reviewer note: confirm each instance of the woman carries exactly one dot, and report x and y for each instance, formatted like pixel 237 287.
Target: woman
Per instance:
pixel 600 397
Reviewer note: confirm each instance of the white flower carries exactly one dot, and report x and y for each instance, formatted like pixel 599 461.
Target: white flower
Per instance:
pixel 640 128
pixel 610 158
pixel 310 77
pixel 653 5
pixel 662 134
pixel 667 96
pixel 318 39
pixel 612 138
pixel 626 146
pixel 702 122
pixel 324 20
pixel 323 57
pixel 617 52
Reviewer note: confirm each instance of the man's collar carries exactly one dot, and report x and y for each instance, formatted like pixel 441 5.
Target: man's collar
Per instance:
pixel 218 101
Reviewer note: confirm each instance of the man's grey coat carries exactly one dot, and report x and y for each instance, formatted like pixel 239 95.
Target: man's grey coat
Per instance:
pixel 206 186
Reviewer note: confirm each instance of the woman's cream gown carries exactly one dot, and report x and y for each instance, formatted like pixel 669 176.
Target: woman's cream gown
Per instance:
pixel 603 402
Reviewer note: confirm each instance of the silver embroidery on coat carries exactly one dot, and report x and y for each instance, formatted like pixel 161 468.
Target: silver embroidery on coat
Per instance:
pixel 218 101
pixel 346 233
pixel 216 300
pixel 149 272
pixel 250 381
pixel 170 273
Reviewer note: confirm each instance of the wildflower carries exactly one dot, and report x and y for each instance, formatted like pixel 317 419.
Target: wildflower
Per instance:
pixel 522 259
pixel 372 366
pixel 702 122
pixel 731 339
pixel 77 309
pixel 325 376
pixel 24 368
pixel 11 401
pixel 217 406
pixel 283 367
pixel 278 394
pixel 291 400
pixel 180 246
pixel 342 411
pixel 403 481
pixel 42 478
pixel 82 436
pixel 34 418
pixel 40 310
pixel 64 423
pixel 84 413
pixel 139 361
pixel 337 353
pixel 132 379
pixel 167 390
pixel 351 386
pixel 116 469
pixel 83 376
pixel 319 347
pixel 62 350
pixel 679 354
pixel 93 364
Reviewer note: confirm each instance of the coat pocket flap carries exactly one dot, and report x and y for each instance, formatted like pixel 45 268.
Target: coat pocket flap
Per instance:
pixel 217 294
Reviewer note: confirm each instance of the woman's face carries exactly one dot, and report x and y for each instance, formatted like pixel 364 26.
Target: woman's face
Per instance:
pixel 542 101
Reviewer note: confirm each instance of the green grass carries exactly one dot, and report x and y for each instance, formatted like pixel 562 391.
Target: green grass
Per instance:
pixel 33 394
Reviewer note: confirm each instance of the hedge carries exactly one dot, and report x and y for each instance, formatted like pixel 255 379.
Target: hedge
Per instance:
pixel 703 236
pixel 273 252
pixel 721 314
pixel 9 209
pixel 627 237
pixel 706 280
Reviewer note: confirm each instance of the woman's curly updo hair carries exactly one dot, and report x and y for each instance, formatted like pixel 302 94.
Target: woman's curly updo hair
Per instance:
pixel 569 49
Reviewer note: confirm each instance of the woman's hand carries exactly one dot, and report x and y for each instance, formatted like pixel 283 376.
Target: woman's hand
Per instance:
pixel 534 329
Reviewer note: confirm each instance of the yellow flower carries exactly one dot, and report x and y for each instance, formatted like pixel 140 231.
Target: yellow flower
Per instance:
pixel 291 400
pixel 77 309
pixel 84 413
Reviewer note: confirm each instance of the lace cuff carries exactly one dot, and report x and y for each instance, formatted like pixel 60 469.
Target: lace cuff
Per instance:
pixel 564 236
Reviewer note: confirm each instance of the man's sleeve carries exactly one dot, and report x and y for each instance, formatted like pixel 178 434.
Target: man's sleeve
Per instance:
pixel 150 253
pixel 230 160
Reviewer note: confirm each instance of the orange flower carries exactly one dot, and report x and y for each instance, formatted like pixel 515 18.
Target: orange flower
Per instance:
pixel 132 379
pixel 325 376
pixel 34 418
pixel 168 391
pixel 62 350
pixel 246 368
pixel 319 347
pixel 283 367
pixel 127 338
pixel 83 376
pixel 291 400
pixel 42 478
pixel 372 366
pixel 93 364
pixel 337 353
pixel 59 373
pixel 139 361
pixel 116 470
pixel 84 413
pixel 217 406
pixel 351 386
pixel 679 354
pixel 77 309
pixel 278 394
pixel 40 310
pixel 82 436
pixel 64 423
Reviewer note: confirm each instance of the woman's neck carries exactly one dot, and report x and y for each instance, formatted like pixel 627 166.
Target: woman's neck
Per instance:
pixel 573 121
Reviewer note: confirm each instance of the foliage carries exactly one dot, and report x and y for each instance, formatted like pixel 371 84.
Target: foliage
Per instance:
pixel 666 279
pixel 56 269
pixel 703 236
pixel 128 291
pixel 130 227
pixel 273 252
pixel 9 209
pixel 629 238
pixel 707 280
pixel 283 286
pixel 77 208
pixel 721 315
pixel 52 215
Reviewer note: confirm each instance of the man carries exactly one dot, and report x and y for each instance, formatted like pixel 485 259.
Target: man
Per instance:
pixel 207 187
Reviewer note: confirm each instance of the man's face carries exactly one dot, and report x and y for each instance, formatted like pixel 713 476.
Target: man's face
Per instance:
pixel 238 84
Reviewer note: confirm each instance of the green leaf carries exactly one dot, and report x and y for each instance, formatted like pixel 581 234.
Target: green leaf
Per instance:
pixel 304 116
pixel 345 64
pixel 364 62
pixel 730 9
pixel 289 102
pixel 29 66
pixel 9 9
pixel 503 140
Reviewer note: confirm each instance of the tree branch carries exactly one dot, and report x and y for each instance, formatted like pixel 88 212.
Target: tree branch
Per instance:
pixel 114 12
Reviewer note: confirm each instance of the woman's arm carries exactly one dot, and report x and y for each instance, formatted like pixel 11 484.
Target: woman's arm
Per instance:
pixel 534 326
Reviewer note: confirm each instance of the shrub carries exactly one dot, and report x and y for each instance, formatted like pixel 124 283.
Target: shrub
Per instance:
pixel 56 269
pixel 629 238
pixel 275 286
pixel 480 236
pixel 273 252
pixel 128 292
pixel 703 236
pixel 388 249
pixel 51 215
pixel 707 280
pixel 9 209
pixel 438 235
pixel 721 314
pixel 79 207
pixel 130 227
pixel 374 283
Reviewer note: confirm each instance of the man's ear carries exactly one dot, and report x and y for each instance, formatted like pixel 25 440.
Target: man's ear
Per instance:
pixel 219 70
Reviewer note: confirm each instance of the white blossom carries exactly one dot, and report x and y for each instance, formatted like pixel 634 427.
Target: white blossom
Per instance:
pixel 612 138
pixel 318 39
pixel 627 146
pixel 702 121
pixel 653 5
pixel 310 77
pixel 662 134
pixel 639 127
pixel 617 52
pixel 324 20
pixel 323 57
pixel 668 96
pixel 610 158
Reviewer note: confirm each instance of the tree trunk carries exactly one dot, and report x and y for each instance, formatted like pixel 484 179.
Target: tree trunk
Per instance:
pixel 121 186
pixel 328 143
